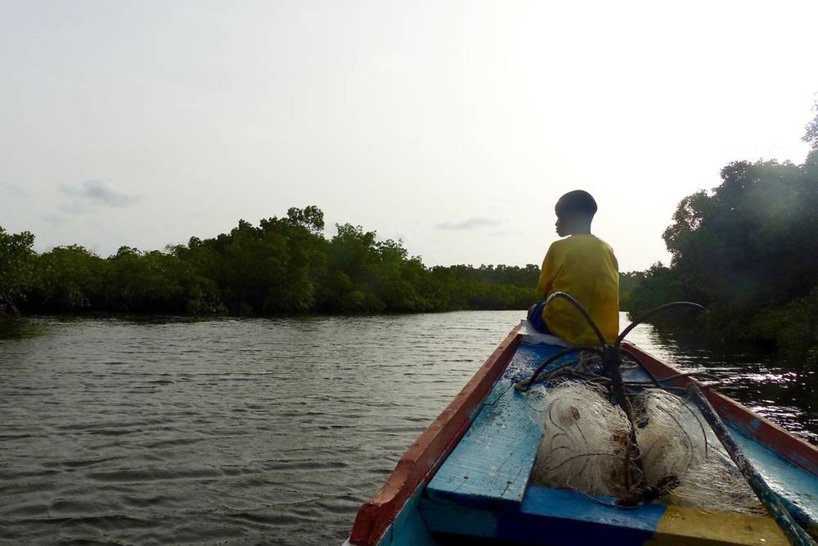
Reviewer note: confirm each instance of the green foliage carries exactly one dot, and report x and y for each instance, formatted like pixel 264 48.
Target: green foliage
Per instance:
pixel 16 269
pixel 656 286
pixel 486 287
pixel 749 243
pixel 748 251
pixel 283 265
pixel 142 282
pixel 70 278
pixel 627 284
pixel 793 328
pixel 811 132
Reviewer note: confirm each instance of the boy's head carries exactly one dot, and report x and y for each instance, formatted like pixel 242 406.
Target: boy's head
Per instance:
pixel 575 211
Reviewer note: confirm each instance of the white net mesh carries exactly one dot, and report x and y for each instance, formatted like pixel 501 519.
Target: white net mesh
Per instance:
pixel 586 439
pixel 582 444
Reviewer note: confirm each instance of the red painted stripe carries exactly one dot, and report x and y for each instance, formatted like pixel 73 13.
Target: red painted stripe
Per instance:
pixel 789 446
pixel 428 452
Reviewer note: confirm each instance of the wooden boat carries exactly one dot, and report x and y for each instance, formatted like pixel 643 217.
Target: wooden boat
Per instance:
pixel 465 480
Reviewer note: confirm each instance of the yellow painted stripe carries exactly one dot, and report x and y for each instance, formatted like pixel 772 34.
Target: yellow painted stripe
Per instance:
pixel 682 525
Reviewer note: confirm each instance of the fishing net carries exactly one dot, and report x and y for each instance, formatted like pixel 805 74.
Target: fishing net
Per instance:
pixel 583 441
pixel 586 447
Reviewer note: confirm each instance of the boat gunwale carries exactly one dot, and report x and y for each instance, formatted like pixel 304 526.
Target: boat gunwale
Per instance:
pixel 429 451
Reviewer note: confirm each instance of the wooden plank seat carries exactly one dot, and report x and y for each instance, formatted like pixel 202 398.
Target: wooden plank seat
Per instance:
pixel 492 463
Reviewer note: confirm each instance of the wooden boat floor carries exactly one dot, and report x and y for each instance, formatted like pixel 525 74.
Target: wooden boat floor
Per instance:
pixel 559 517
pixel 482 489
pixel 492 463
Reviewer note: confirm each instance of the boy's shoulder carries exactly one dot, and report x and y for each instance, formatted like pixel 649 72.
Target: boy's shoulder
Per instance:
pixel 579 239
pixel 585 241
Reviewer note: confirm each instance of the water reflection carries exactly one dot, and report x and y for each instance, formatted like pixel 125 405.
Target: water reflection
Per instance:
pixel 236 431
pixel 758 380
pixel 21 329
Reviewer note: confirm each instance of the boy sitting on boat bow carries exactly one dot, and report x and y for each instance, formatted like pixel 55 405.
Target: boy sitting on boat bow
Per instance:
pixel 583 266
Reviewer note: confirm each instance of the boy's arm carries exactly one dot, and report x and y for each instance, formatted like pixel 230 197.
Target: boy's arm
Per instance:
pixel 547 272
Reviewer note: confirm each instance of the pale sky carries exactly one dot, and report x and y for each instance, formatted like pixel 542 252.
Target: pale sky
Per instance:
pixel 454 126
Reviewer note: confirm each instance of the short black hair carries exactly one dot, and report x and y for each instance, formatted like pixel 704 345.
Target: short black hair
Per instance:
pixel 576 202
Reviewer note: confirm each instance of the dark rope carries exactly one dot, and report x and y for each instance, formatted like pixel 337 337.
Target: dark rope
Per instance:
pixel 551 359
pixel 581 309
pixel 611 364
pixel 655 311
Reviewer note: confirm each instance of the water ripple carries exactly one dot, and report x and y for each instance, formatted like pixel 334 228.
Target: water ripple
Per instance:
pixel 253 431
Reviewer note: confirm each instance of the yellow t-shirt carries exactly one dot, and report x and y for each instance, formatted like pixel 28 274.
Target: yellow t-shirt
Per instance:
pixel 583 266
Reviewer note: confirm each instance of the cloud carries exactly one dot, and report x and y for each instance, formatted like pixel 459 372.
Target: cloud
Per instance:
pixel 508 232
pixel 95 193
pixel 14 191
pixel 469 224
pixel 55 218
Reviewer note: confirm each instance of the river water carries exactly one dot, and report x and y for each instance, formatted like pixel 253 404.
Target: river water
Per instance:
pixel 253 431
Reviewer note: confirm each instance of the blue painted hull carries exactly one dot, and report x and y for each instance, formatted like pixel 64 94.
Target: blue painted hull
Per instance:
pixel 476 489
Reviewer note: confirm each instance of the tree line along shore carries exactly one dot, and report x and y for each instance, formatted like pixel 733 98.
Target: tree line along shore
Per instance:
pixel 747 250
pixel 281 266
